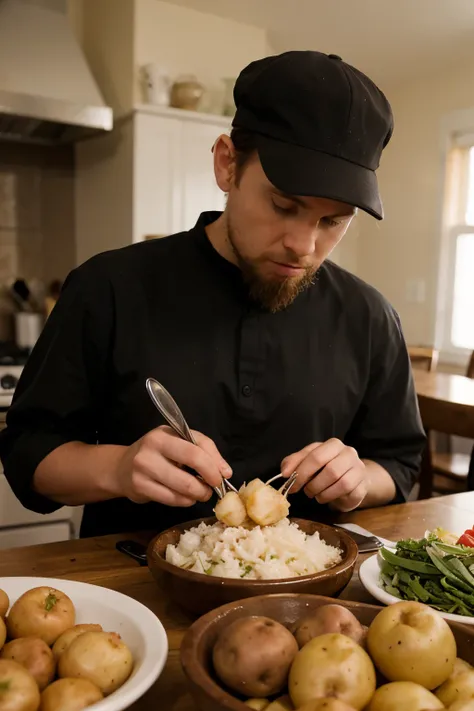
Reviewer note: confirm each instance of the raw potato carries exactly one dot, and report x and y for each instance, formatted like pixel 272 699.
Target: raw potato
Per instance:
pixel 101 657
pixel 409 641
pixel 18 690
pixel 41 612
pixel 332 665
pixel 326 705
pixel 266 506
pixel 363 639
pixel 4 603
pixel 404 695
pixel 257 704
pixel 33 654
pixel 231 509
pixel 460 666
pixel 3 632
pixel 64 640
pixel 253 655
pixel 283 703
pixel 329 618
pixel 458 687
pixel 462 705
pixel 70 695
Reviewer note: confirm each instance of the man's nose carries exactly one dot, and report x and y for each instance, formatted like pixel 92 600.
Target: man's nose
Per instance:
pixel 302 241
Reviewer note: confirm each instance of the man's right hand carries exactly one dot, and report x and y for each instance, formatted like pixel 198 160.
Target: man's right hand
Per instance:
pixel 151 469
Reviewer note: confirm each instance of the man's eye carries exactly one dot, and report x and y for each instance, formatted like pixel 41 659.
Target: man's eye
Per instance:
pixel 330 222
pixel 284 209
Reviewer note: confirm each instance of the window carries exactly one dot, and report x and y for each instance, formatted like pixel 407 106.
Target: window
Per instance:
pixel 462 327
pixel 458 256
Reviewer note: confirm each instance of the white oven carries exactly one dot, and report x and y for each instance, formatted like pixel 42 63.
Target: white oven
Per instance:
pixel 19 526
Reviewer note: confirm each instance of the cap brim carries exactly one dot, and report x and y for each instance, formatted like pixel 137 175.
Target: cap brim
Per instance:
pixel 302 171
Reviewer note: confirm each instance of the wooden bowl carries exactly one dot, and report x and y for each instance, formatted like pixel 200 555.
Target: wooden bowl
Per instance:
pixel 198 593
pixel 197 645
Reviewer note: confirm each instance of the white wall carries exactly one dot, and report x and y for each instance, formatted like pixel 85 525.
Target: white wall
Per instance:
pixel 190 42
pixel 405 246
pixel 105 29
pixel 103 192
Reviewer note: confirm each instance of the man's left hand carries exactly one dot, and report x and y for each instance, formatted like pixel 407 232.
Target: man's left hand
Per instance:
pixel 330 472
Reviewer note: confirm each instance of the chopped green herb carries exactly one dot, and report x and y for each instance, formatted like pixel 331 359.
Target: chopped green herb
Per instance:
pixel 5 685
pixel 50 602
pixel 247 569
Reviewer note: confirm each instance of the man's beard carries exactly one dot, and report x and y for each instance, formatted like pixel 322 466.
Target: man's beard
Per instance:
pixel 273 294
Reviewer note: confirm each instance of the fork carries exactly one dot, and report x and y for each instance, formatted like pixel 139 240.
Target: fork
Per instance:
pixel 287 486
pixel 168 407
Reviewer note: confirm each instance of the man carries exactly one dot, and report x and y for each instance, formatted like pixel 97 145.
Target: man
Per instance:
pixel 277 357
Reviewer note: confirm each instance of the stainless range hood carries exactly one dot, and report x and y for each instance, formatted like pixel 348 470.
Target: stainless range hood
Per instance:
pixel 47 92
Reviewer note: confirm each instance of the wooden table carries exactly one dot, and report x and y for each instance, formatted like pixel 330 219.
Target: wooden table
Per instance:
pixel 95 560
pixel 446 405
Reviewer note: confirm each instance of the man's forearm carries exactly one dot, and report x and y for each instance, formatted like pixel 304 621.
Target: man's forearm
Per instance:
pixel 78 473
pixel 381 487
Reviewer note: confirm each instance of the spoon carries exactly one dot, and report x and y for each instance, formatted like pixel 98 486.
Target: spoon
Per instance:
pixel 168 407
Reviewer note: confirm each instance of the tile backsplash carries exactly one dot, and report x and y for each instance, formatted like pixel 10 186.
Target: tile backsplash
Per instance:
pixel 36 218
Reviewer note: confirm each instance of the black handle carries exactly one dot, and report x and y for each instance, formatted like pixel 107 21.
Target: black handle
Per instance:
pixel 135 550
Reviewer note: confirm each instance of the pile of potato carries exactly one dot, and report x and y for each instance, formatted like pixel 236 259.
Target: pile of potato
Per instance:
pixel 405 661
pixel 51 664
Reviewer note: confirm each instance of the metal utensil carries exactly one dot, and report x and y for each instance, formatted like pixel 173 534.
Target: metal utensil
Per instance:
pixel 168 407
pixel 21 294
pixel 366 540
pixel 354 528
pixel 287 486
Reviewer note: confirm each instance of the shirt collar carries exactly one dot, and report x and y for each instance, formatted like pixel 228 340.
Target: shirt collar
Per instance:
pixel 199 230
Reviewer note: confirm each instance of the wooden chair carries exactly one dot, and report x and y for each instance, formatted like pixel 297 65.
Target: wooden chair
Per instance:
pixel 450 469
pixel 423 357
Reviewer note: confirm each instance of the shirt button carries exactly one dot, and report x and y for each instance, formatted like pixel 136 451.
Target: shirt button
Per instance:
pixel 246 391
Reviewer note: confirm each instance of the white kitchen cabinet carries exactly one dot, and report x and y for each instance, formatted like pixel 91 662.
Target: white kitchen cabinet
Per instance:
pixel 157 182
pixel 199 190
pixel 173 172
pixel 152 176
pixel 12 513
pixel 34 535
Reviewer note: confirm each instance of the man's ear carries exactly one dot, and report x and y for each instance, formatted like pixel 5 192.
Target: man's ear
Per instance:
pixel 224 162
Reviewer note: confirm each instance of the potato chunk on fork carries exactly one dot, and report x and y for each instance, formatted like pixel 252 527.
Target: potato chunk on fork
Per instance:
pixel 255 503
pixel 231 510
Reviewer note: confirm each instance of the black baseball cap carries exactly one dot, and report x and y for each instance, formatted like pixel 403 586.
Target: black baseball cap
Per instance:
pixel 320 126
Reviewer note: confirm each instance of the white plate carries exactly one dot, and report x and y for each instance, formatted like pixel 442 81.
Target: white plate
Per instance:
pixel 139 628
pixel 369 575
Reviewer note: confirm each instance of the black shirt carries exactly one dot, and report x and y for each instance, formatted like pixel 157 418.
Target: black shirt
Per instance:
pixel 261 385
